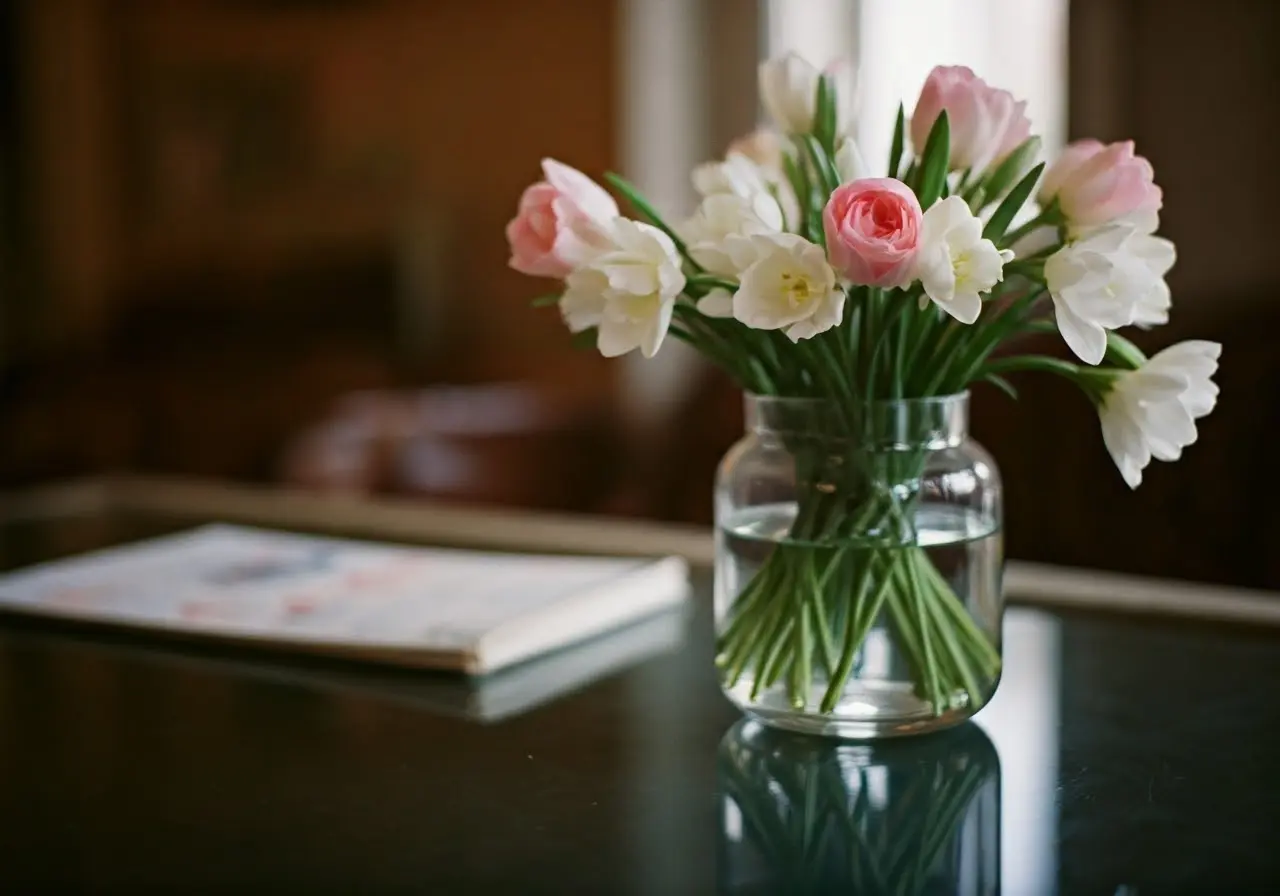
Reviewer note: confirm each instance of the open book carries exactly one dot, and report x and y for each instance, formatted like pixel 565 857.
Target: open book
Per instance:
pixel 448 609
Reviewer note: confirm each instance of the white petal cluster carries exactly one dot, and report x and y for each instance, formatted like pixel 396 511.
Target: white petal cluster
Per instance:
pixel 1110 278
pixel 714 234
pixel 790 287
pixel 628 293
pixel 1151 412
pixel 789 91
pixel 955 263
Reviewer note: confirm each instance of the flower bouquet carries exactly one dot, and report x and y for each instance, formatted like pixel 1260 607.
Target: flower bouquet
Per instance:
pixel 858 576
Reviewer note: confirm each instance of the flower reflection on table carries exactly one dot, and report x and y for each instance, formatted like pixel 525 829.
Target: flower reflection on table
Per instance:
pixel 809 815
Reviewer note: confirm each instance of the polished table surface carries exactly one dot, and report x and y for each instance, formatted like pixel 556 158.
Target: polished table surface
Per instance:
pixel 1122 755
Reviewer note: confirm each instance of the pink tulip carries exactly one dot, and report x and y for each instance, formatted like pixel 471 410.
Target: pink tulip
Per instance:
pixel 986 123
pixel 1073 156
pixel 873 230
pixel 562 222
pixel 1096 184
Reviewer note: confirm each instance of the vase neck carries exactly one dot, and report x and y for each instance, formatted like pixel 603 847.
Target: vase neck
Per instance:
pixel 891 425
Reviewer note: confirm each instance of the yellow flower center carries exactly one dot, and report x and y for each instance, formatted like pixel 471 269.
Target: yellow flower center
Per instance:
pixel 797 289
pixel 641 308
pixel 962 264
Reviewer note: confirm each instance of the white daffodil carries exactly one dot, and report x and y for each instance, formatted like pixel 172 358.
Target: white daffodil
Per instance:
pixel 627 293
pixel 1151 412
pixel 714 233
pixel 1156 252
pixel 737 175
pixel 789 91
pixel 1097 284
pixel 955 264
pixel 789 287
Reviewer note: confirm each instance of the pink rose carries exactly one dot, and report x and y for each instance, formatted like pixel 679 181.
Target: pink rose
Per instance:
pixel 1096 184
pixel 986 123
pixel 562 223
pixel 873 230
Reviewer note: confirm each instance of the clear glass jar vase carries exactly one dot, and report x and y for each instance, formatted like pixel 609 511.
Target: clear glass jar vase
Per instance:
pixel 858 566
pixel 803 815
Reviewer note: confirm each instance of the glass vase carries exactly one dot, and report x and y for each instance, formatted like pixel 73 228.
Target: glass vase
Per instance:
pixel 802 815
pixel 858 566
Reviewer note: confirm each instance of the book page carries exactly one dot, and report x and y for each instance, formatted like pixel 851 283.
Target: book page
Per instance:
pixel 241 581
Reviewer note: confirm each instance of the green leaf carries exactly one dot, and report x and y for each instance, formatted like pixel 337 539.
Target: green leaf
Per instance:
pixel 1011 168
pixel 976 196
pixel 1002 384
pixel 934 162
pixel 799 179
pixel 824 117
pixel 1007 209
pixel 1040 363
pixel 899 140
pixel 637 200
pixel 823 167
pixel 1124 353
pixel 585 339
pixel 545 301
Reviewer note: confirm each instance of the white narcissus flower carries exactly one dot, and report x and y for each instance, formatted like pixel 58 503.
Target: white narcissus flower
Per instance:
pixel 1158 254
pixel 789 287
pixel 955 264
pixel 628 293
pixel 1097 284
pixel 1151 412
pixel 789 91
pixel 742 174
pixel 737 175
pixel 720 218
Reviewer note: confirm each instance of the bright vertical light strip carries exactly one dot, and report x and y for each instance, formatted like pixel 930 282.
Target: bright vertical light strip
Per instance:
pixel 1022 721
pixel 1019 45
pixel 821 31
pixel 662 135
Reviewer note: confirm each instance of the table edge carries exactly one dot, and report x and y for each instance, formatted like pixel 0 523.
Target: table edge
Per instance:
pixel 1031 584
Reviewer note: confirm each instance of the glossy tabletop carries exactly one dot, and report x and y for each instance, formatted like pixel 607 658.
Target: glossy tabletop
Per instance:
pixel 1121 755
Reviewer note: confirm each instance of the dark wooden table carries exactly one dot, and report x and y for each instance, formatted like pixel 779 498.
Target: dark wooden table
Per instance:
pixel 1132 754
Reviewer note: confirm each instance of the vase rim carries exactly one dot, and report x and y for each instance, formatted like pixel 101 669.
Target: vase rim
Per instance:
pixel 930 423
pixel 950 399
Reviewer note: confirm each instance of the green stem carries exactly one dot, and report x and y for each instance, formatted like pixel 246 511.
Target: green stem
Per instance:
pixel 859 623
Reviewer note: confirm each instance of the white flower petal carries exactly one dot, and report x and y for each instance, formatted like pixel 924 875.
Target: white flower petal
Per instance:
pixel 954 264
pixel 827 315
pixel 789 282
pixel 616 338
pixel 1151 412
pixel 936 272
pixel 965 307
pixel 717 303
pixel 1124 442
pixel 1087 340
pixel 850 165
pixel 714 232
pixel 656 330
pixel 788 89
pixel 582 304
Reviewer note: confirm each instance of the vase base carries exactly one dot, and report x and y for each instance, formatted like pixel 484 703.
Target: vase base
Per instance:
pixel 871 710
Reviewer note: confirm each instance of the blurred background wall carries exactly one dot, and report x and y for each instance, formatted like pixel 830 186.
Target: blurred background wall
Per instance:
pixel 261 240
